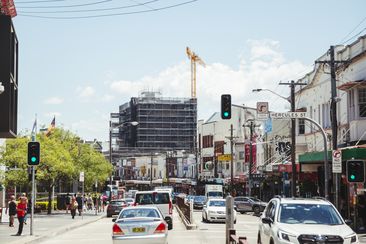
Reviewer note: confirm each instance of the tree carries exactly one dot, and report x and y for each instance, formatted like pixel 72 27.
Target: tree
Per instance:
pixel 63 156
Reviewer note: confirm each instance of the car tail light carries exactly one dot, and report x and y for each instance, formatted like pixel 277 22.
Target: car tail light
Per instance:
pixel 170 207
pixel 161 228
pixel 117 230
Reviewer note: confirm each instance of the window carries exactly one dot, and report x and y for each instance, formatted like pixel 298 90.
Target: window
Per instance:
pixel 301 126
pixel 241 155
pixel 362 102
pixel 207 141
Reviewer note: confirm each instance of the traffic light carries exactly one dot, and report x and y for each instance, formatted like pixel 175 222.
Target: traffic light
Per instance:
pixel 355 171
pixel 33 153
pixel 226 106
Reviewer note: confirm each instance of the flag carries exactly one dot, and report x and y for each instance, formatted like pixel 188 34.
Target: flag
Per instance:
pixel 34 130
pixel 51 127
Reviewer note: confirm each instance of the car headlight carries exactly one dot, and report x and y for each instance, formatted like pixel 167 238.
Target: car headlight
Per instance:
pixel 285 236
pixel 353 237
pixel 211 212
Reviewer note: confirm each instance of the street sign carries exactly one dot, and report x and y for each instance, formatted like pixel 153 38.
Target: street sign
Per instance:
pixel 337 161
pixel 288 115
pixel 81 178
pixel 262 110
pixel 224 157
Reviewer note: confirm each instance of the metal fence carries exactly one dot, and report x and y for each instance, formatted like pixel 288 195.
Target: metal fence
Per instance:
pixel 184 208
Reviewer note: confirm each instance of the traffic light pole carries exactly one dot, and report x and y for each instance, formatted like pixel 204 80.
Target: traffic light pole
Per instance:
pixel 33 200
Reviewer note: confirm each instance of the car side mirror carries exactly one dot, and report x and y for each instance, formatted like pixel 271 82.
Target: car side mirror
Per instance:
pixel 348 221
pixel 114 220
pixel 267 220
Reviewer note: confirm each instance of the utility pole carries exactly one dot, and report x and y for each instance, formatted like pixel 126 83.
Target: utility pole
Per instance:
pixel 251 127
pixel 292 85
pixel 151 168
pixel 231 138
pixel 333 111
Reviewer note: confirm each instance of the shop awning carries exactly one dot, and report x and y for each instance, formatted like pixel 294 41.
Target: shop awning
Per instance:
pixel 349 85
pixel 356 152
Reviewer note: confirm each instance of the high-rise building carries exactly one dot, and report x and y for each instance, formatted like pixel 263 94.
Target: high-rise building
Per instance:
pixel 164 124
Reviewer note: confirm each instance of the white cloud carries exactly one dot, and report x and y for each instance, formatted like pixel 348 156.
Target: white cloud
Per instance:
pixel 265 67
pixel 107 98
pixel 54 100
pixel 86 92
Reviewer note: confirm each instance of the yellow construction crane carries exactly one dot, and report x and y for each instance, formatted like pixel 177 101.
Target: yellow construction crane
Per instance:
pixel 194 59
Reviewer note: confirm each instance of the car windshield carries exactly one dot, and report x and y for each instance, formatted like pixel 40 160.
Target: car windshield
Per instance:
pixel 118 203
pixel 215 194
pixel 217 204
pixel 200 199
pixel 129 200
pixel 309 214
pixel 254 199
pixel 139 212
pixel 153 198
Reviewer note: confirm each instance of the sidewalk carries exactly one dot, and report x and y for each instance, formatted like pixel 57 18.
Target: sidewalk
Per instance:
pixel 45 226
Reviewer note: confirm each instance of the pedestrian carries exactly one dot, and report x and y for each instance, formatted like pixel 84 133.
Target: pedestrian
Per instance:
pixel 12 210
pixel 21 212
pixel 67 202
pixel 24 197
pixel 73 206
pixel 79 200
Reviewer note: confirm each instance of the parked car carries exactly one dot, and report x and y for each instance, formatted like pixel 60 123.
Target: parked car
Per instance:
pixel 215 211
pixel 291 220
pixel 115 206
pixel 160 199
pixel 129 201
pixel 249 204
pixel 188 198
pixel 142 224
pixel 199 201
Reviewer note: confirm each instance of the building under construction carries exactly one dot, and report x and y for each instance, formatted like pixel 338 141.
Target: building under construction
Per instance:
pixel 165 124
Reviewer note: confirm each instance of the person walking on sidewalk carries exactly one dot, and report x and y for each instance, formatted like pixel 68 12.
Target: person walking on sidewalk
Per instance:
pixel 21 211
pixel 73 206
pixel 12 210
pixel 24 197
pixel 67 202
pixel 79 200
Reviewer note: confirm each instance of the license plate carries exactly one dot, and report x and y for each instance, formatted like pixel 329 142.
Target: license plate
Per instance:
pixel 138 229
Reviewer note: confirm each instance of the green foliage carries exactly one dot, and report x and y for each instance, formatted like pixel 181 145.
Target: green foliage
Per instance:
pixel 44 205
pixel 63 157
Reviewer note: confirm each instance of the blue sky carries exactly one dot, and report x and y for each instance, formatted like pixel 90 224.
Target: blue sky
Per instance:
pixel 82 69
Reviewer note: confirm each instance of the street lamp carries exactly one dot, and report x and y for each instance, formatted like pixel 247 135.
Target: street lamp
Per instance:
pixel 293 136
pixel 133 123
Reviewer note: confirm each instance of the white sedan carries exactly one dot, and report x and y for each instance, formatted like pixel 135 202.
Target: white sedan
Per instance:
pixel 215 211
pixel 136 225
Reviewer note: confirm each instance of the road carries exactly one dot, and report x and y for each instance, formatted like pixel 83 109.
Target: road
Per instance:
pixel 206 233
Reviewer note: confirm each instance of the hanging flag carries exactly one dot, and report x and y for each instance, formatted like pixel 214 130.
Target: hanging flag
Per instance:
pixel 51 127
pixel 34 130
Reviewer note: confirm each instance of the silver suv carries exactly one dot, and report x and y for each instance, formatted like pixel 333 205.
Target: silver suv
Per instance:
pixel 295 220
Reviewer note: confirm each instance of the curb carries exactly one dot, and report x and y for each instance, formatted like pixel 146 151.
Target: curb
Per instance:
pixel 185 222
pixel 56 232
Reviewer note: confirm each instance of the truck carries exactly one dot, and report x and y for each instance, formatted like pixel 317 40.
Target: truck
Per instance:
pixel 214 191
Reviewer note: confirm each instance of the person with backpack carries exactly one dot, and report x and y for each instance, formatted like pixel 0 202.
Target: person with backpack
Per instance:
pixel 67 202
pixel 12 210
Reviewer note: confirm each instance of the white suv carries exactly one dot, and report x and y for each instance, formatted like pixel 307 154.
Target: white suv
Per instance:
pixel 296 220
pixel 160 199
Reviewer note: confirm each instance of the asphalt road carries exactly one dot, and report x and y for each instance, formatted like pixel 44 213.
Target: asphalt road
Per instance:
pixel 100 232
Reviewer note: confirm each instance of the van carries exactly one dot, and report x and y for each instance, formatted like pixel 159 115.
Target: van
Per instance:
pixel 160 199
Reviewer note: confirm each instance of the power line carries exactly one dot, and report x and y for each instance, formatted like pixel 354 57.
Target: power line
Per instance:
pixel 90 10
pixel 45 1
pixel 353 30
pixel 109 15
pixel 69 6
pixel 354 35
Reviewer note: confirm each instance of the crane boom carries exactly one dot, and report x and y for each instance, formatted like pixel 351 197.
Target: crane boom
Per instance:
pixel 194 59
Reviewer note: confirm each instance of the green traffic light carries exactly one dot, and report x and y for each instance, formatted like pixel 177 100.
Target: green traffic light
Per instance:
pixel 33 159
pixel 353 177
pixel 226 114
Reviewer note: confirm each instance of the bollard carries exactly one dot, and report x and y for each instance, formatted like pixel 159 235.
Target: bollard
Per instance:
pixel 229 217
pixel 191 211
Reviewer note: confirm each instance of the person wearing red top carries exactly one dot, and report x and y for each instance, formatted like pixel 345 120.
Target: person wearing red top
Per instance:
pixel 21 211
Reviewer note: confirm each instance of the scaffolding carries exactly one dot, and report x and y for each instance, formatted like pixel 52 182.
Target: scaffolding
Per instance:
pixel 164 124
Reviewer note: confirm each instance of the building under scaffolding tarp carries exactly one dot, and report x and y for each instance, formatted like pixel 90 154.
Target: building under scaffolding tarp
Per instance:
pixel 165 124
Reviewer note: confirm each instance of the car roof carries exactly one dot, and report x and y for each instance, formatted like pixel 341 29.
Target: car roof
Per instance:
pixel 304 201
pixel 216 199
pixel 150 192
pixel 142 207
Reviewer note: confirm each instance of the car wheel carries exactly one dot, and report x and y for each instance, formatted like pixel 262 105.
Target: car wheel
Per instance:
pixel 256 210
pixel 170 226
pixel 207 221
